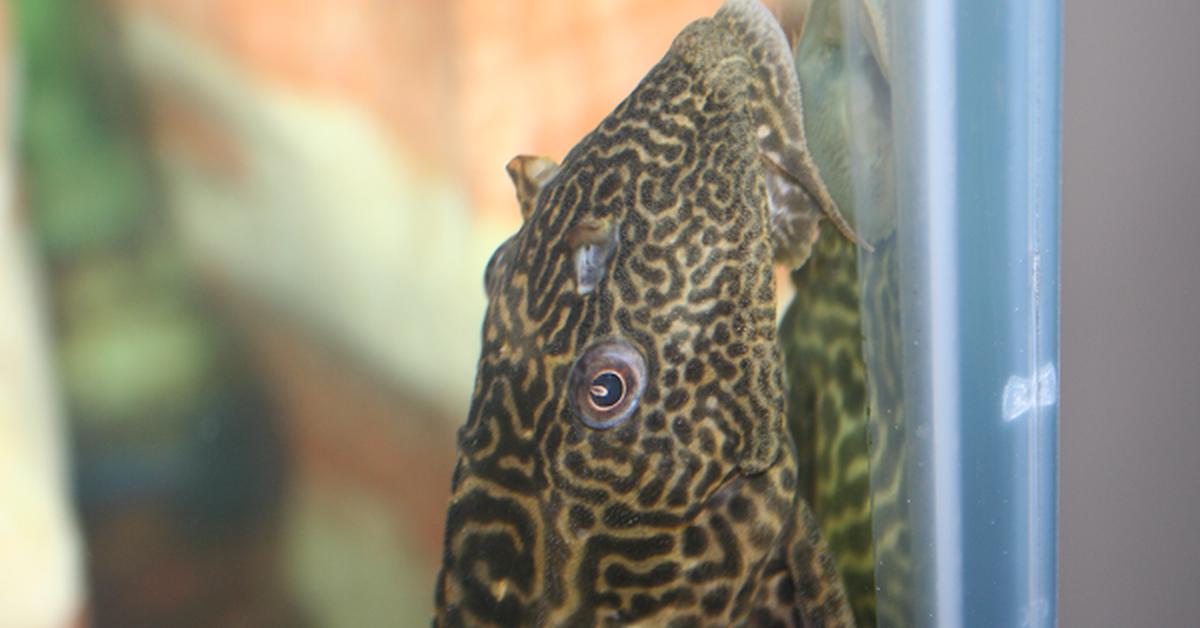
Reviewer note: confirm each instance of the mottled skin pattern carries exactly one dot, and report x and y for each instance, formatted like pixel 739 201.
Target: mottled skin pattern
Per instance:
pixel 890 474
pixel 654 235
pixel 822 339
pixel 821 330
pixel 852 426
pixel 844 316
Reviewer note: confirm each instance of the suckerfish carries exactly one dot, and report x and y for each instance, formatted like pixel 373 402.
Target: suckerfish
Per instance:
pixel 848 427
pixel 625 459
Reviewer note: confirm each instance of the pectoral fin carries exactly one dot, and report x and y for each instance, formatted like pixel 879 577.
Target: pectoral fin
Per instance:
pixel 798 196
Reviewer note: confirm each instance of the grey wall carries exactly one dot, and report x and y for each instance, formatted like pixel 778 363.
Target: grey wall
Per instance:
pixel 1130 484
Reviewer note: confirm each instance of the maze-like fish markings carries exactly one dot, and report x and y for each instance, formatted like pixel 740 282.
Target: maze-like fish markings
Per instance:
pixel 844 323
pixel 852 469
pixel 624 459
pixel 821 333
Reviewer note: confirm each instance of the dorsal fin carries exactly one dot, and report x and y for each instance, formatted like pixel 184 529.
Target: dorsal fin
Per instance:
pixel 798 195
pixel 529 173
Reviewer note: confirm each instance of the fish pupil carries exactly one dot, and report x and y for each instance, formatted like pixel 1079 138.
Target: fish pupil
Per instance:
pixel 607 390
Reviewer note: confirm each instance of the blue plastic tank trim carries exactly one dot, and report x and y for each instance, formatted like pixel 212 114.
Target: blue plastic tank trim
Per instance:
pixel 976 114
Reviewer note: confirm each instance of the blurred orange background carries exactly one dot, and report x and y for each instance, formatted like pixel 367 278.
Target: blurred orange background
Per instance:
pixel 329 175
pixel 241 253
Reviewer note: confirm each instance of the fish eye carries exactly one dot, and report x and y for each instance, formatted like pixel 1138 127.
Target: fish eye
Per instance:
pixel 606 383
pixel 608 389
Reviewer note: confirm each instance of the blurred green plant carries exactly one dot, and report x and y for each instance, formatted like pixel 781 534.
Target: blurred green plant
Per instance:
pixel 161 402
pixel 80 140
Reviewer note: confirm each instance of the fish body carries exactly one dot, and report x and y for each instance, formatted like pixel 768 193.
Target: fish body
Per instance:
pixel 841 332
pixel 625 459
